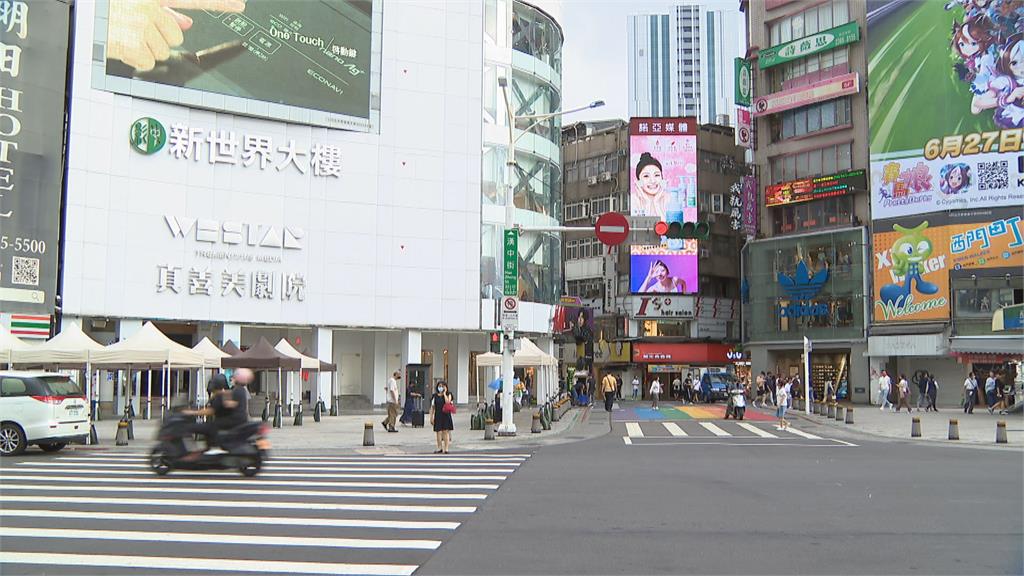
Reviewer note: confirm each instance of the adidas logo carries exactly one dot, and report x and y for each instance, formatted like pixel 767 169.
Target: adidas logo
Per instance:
pixel 803 286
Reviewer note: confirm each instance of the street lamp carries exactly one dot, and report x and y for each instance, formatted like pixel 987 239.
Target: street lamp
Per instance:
pixel 507 426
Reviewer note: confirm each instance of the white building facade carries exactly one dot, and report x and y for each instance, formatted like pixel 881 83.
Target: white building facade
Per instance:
pixel 361 246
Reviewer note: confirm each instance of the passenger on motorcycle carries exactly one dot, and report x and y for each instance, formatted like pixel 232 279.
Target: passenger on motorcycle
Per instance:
pixel 228 406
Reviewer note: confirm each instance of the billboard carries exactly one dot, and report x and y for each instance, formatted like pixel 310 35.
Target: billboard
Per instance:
pixel 659 269
pixel 946 109
pixel 663 165
pixel 32 75
pixel 809 189
pixel 307 62
pixel 915 254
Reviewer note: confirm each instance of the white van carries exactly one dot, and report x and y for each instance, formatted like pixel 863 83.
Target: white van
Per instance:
pixel 41 408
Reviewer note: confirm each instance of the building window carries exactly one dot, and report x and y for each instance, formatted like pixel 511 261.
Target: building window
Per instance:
pixel 577 211
pixel 836 212
pixel 818 65
pixel 810 21
pixel 603 205
pixel 811 163
pixel 975 299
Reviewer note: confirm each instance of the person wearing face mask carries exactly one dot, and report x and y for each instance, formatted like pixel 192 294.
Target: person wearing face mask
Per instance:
pixel 442 406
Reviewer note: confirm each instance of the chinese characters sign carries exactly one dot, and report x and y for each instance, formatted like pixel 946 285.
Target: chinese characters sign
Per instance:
pixel 33 63
pixel 815 188
pixel 510 251
pixel 750 206
pixel 820 91
pixel 744 83
pixel 839 36
pixel 735 207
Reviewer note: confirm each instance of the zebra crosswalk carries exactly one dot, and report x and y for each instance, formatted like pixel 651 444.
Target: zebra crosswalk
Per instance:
pixel 362 514
pixel 652 432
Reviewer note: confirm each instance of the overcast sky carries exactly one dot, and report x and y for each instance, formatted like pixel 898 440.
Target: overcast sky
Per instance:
pixel 594 63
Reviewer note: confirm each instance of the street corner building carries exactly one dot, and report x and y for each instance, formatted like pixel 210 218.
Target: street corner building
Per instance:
pixel 327 174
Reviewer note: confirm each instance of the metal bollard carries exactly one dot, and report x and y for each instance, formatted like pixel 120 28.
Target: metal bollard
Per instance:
pixel 131 429
pixel 122 433
pixel 839 412
pixel 266 409
pixel 1001 432
pixel 488 429
pixel 335 405
pixel 954 429
pixel 94 439
pixel 545 417
pixel 298 416
pixel 556 412
pixel 535 426
pixel 849 415
pixel 368 434
pixel 318 410
pixel 915 427
pixel 277 415
pixel 831 415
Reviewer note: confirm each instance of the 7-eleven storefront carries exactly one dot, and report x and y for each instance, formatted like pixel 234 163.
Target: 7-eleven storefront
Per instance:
pixel 668 361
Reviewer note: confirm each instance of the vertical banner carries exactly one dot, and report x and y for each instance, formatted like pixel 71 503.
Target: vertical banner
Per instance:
pixel 510 250
pixel 744 128
pixel 33 64
pixel 750 206
pixel 744 86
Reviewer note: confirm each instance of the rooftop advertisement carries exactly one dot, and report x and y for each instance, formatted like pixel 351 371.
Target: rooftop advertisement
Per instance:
pixel 946 106
pixel 306 62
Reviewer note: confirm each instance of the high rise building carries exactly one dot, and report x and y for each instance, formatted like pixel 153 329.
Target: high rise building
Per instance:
pixel 681 64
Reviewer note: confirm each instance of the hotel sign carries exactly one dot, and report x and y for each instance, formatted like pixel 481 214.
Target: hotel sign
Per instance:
pixel 833 38
pixel 820 91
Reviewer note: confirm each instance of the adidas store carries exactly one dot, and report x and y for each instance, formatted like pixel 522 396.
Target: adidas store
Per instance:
pixel 812 286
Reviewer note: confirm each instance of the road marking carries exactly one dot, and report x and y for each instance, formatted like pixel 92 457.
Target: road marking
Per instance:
pixel 200 538
pixel 802 434
pixel 37 467
pixel 627 440
pixel 208 564
pixel 756 430
pixel 843 442
pixel 634 431
pixel 714 429
pixel 272 466
pixel 217 519
pixel 297 493
pixel 257 482
pixel 364 457
pixel 728 443
pixel 198 503
pixel 469 466
pixel 673 429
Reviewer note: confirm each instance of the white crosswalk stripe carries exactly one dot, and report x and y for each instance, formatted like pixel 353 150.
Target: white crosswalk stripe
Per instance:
pixel 697 432
pixel 757 431
pixel 302 515
pixel 674 429
pixel 714 429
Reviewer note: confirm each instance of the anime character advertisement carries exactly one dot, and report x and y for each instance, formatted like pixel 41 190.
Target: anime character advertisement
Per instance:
pixel 913 258
pixel 663 168
pixel 946 105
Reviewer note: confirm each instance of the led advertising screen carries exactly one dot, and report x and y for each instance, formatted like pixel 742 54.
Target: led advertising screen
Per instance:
pixel 657 269
pixel 663 166
pixel 308 61
pixel 945 106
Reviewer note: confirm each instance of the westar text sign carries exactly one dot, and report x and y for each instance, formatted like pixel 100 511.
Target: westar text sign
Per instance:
pixel 236 233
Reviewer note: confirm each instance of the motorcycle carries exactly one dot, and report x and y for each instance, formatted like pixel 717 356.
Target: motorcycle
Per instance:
pixel 737 405
pixel 244 448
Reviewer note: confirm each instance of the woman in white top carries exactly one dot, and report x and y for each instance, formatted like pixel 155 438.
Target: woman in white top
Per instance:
pixel 782 397
pixel 655 392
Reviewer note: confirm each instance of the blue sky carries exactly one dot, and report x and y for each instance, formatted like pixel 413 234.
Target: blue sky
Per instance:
pixel 594 55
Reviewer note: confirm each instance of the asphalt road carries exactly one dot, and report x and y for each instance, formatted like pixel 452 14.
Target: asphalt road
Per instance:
pixel 704 503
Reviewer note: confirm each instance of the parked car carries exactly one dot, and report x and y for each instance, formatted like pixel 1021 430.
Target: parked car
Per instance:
pixel 721 383
pixel 40 408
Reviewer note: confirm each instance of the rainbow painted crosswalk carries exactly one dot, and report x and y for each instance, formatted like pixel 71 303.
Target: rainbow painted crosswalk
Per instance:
pixel 682 412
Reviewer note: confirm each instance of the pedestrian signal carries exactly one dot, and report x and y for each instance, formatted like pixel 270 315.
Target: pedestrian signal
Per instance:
pixel 496 342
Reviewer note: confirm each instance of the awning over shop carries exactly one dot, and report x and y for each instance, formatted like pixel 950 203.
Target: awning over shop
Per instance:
pixel 908 345
pixel 987 348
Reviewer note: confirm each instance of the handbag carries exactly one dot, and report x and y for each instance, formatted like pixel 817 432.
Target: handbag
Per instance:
pixel 448 408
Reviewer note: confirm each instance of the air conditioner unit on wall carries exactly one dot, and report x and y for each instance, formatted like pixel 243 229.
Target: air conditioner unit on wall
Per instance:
pixel 592 181
pixel 605 176
pixel 705 253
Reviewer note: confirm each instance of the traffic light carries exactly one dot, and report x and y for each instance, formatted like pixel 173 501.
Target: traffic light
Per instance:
pixel 496 342
pixel 683 230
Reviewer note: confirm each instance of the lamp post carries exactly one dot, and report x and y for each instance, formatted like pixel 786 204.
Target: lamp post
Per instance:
pixel 507 426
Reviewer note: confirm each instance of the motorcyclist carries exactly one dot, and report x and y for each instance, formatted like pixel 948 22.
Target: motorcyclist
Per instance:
pixel 228 406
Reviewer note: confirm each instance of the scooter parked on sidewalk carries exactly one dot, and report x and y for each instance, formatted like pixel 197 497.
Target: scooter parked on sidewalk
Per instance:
pixel 243 448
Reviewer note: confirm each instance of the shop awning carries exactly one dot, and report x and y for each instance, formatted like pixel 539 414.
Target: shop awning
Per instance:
pixel 1012 347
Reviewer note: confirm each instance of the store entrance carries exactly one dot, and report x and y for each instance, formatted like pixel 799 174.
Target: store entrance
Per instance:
pixel 830 372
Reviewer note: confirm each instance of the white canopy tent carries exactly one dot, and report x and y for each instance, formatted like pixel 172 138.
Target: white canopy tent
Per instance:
pixel 9 344
pixel 306 363
pixel 70 348
pixel 528 354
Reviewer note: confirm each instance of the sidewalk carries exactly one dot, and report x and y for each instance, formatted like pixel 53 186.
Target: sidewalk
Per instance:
pixel 978 428
pixel 345 433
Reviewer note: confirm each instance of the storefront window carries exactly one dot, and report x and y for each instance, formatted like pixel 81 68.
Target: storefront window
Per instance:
pixel 976 298
pixel 815 215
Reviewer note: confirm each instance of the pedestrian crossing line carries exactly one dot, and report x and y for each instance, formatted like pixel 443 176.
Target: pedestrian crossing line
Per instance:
pixel 256 482
pixel 756 430
pixel 633 430
pixel 296 493
pixel 200 538
pixel 272 467
pixel 627 440
pixel 216 519
pixel 204 564
pixel 674 429
pixel 354 464
pixel 140 469
pixel 260 504
pixel 714 429
pixel 466 456
pixel 802 434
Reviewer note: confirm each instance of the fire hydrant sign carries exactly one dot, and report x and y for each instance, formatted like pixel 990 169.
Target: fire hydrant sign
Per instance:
pixel 509 313
pixel 510 250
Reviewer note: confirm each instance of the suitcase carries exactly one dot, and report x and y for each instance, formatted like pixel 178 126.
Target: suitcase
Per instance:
pixel 417 419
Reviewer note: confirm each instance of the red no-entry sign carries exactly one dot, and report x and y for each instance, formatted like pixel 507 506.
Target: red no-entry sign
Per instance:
pixel 612 228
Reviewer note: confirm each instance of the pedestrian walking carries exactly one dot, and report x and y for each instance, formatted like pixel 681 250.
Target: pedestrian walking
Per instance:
pixel 677 388
pixel 636 387
pixel 782 400
pixel 932 390
pixel 705 388
pixel 694 389
pixel 688 390
pixel 441 409
pixel 1007 394
pixel 773 384
pixel 970 387
pixel 655 391
pixel 608 385
pixel 391 397
pixel 884 387
pixel 922 389
pixel 761 389
pixel 991 391
pixel 618 386
pixel 410 405
pixel 903 391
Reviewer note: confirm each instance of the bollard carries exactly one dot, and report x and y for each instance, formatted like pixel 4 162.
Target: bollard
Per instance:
pixel 849 415
pixel 368 434
pixel 131 429
pixel 94 439
pixel 915 427
pixel 335 405
pixel 800 404
pixel 488 429
pixel 289 410
pixel 318 410
pixel 815 408
pixel 954 429
pixel 266 410
pixel 1001 432
pixel 277 415
pixel 839 412
pixel 556 412
pixel 298 416
pixel 545 417
pixel 122 433
pixel 535 426
pixel 831 411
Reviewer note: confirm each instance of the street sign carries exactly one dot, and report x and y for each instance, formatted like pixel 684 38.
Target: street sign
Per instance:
pixel 509 312
pixel 510 250
pixel 612 228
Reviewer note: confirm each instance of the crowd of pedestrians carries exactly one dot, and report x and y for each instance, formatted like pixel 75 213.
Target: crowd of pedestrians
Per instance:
pixel 999 396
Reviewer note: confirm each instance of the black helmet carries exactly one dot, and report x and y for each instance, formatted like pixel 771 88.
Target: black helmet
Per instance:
pixel 217 383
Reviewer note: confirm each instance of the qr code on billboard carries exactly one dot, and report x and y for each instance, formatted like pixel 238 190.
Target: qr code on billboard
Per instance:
pixel 993 175
pixel 25 271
